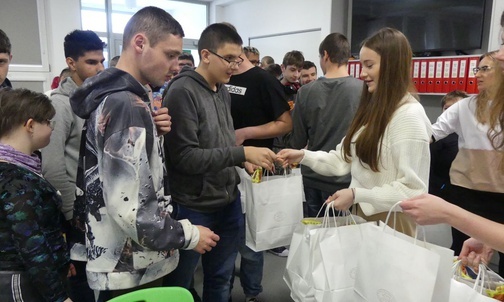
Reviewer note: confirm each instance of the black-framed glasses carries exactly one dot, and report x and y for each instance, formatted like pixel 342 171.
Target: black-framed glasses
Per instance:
pixel 482 69
pixel 232 64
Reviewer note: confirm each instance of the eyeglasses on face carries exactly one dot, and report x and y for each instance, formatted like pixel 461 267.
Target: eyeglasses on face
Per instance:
pixel 51 124
pixel 232 64
pixel 255 62
pixel 482 69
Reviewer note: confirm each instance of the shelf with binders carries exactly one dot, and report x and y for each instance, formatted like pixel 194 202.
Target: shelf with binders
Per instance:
pixel 438 75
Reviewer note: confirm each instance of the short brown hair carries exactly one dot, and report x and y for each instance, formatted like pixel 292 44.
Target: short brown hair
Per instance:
pixel 19 105
pixel 453 95
pixel 154 22
pixel 5 44
pixel 337 47
pixel 294 57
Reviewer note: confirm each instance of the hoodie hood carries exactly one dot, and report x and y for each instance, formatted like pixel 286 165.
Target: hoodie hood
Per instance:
pixel 189 72
pixel 65 88
pixel 86 98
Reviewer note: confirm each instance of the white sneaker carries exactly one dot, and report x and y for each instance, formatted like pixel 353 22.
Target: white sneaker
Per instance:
pixel 280 251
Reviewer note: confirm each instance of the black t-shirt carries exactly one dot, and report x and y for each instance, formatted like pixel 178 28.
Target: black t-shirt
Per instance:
pixel 257 98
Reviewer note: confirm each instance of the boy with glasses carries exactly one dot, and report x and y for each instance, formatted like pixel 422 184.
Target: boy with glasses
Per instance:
pixel 201 153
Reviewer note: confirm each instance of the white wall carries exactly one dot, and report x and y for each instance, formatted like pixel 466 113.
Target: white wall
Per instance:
pixel 256 18
pixel 62 17
pixel 494 39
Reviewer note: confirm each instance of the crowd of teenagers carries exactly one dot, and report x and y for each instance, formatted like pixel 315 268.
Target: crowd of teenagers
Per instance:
pixel 103 191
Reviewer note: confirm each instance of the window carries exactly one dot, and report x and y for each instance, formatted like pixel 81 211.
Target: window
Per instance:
pixel 193 16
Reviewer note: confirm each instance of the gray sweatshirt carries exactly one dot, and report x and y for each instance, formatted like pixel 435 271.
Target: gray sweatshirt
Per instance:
pixel 324 110
pixel 61 156
pixel 200 148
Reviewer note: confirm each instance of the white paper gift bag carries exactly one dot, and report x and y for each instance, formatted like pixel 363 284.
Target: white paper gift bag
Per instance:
pixel 393 269
pixel 297 275
pixel 444 273
pixel 309 271
pixel 465 289
pixel 334 258
pixel 273 209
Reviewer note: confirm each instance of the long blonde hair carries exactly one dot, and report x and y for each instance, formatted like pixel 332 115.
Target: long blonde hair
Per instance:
pixel 484 97
pixel 376 109
pixel 496 116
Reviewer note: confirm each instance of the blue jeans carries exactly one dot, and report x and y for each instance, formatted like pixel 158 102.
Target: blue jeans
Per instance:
pixel 218 264
pixel 251 268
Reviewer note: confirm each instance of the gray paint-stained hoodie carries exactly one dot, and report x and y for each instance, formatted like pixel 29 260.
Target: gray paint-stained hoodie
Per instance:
pixel 130 236
pixel 200 148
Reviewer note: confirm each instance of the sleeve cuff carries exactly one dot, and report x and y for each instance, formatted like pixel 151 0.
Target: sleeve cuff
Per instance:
pixel 191 234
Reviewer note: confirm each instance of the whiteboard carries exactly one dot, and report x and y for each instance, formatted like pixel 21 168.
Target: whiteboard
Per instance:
pixel 277 45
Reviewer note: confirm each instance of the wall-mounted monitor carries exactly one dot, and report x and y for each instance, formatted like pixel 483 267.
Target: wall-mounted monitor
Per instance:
pixel 429 25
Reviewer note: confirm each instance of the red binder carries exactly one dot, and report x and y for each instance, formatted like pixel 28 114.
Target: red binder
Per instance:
pixel 357 70
pixel 462 76
pixel 416 74
pixel 454 74
pixel 352 69
pixel 423 76
pixel 446 75
pixel 472 85
pixel 438 76
pixel 431 72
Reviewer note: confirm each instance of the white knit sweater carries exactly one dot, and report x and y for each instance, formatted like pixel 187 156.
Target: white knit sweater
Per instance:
pixel 403 164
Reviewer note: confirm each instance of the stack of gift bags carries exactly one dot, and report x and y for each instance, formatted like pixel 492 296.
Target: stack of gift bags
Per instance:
pixel 344 258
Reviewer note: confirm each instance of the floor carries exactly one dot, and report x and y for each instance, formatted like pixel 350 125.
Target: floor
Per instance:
pixel 274 287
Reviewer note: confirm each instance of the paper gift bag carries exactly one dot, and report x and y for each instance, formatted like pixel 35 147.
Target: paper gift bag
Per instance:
pixel 306 271
pixel 465 289
pixel 298 269
pixel 273 209
pixel 461 292
pixel 445 269
pixel 393 269
pixel 334 258
pixel 244 187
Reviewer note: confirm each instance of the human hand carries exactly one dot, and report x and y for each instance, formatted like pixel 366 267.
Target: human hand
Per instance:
pixel 342 200
pixel 240 136
pixel 71 271
pixel 290 156
pixel 263 157
pixel 162 120
pixel 207 240
pixel 249 167
pixel 474 252
pixel 427 209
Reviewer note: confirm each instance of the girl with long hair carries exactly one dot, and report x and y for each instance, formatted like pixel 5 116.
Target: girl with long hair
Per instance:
pixel 386 148
pixel 477 185
pixel 487 234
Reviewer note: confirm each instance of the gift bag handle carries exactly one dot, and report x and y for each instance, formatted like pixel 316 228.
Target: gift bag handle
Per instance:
pixel 480 278
pixel 330 207
pixel 395 220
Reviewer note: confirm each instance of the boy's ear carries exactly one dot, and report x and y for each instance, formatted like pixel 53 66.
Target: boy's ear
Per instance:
pixel 205 56
pixel 71 63
pixel 283 67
